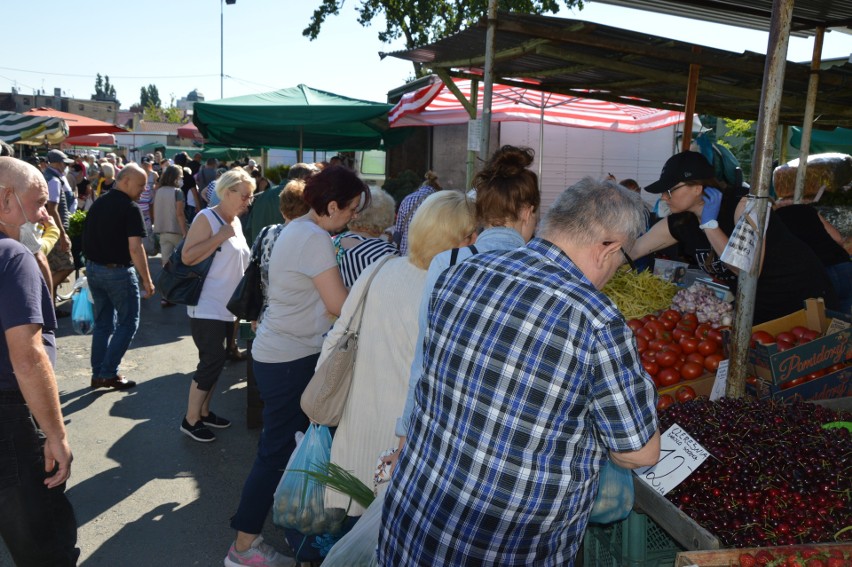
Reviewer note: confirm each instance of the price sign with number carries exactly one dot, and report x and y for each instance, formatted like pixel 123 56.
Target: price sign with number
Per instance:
pixel 720 385
pixel 680 454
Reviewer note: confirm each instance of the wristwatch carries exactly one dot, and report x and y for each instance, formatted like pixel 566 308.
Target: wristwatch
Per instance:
pixel 709 224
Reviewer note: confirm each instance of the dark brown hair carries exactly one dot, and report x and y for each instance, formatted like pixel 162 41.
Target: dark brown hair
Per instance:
pixel 506 185
pixel 336 183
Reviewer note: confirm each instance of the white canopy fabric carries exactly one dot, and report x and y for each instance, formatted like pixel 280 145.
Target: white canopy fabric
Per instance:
pixel 436 105
pixel 32 130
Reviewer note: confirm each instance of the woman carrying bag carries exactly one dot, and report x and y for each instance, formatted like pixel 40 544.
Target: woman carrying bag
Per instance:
pixel 216 231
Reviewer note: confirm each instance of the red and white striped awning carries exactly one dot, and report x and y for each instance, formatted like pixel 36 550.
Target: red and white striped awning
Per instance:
pixel 436 105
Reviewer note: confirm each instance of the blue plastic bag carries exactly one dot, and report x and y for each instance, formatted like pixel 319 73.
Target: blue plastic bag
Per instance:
pixel 615 495
pixel 299 501
pixel 82 313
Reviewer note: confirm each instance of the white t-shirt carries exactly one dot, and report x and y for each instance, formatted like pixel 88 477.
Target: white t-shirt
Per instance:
pixel 296 319
pixel 225 273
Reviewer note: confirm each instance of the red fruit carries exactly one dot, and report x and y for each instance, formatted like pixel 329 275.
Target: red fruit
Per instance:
pixel 763 557
pixel 691 370
pixel 689 344
pixel 641 344
pixel 666 358
pixel 668 324
pixel 784 344
pixel 814 562
pixel 702 331
pixel 689 318
pixel 684 394
pixel 696 358
pixel 651 367
pixel 747 560
pixel 634 324
pixel 671 315
pixel 667 377
pixel 762 337
pixel 810 335
pixel 835 562
pixel 716 335
pixel 785 336
pixel 798 331
pixel 664 402
pixel 792 383
pixel 711 362
pixel 707 347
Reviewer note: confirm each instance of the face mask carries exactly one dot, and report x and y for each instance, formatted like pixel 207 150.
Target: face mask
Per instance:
pixel 29 233
pixel 179 183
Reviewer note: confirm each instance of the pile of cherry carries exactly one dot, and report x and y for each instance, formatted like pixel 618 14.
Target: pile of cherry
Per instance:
pixel 775 475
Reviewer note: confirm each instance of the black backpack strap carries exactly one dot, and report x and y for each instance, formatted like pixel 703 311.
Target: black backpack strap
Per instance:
pixel 454 256
pixel 473 249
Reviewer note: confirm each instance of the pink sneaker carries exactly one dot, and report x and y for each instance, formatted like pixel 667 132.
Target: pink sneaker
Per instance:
pixel 258 555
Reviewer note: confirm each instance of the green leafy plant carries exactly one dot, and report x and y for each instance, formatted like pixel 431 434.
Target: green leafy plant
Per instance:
pixel 75 223
pixel 277 174
pixel 337 478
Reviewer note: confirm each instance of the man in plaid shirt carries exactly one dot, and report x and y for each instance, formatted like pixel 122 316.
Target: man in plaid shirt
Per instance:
pixel 531 380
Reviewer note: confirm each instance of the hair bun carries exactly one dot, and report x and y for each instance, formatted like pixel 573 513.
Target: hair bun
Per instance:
pixel 510 161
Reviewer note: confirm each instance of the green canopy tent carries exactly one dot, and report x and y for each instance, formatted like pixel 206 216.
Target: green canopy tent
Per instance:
pixel 18 128
pixel 297 118
pixel 220 153
pixel 824 141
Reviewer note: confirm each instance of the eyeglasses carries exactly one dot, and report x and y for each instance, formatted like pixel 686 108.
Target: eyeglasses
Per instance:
pixel 673 189
pixel 245 197
pixel 627 259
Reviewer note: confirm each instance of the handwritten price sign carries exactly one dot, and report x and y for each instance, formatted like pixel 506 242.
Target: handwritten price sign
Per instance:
pixel 680 454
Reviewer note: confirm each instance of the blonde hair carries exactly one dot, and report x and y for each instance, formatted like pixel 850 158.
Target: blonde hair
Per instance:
pixel 231 179
pixel 108 170
pixel 378 216
pixel 441 223
pixel 292 202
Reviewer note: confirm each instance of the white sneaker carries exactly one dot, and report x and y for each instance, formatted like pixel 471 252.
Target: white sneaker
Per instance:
pixel 258 555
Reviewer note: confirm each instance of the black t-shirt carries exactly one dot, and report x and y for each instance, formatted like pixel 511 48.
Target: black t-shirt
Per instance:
pixel 113 218
pixel 804 222
pixel 791 272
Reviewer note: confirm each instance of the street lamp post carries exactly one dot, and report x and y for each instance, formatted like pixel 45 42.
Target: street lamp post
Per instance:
pixel 222 45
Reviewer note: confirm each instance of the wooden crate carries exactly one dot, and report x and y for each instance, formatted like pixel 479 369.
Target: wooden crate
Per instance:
pixel 730 557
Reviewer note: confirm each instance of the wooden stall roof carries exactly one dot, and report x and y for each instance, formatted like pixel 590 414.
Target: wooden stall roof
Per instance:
pixel 596 61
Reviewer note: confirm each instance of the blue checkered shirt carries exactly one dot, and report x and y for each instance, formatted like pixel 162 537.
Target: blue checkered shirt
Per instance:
pixel 530 376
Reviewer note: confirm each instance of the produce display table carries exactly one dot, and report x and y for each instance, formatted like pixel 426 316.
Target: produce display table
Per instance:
pixel 731 557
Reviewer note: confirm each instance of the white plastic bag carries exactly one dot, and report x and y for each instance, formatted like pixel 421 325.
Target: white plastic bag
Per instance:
pixel 358 547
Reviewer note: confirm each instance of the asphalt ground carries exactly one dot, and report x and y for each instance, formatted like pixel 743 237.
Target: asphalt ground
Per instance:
pixel 143 492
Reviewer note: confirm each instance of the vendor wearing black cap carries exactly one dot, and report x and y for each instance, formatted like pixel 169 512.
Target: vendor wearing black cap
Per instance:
pixel 703 218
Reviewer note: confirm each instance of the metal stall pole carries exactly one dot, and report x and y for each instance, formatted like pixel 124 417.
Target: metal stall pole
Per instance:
pixel 691 96
pixel 807 124
pixel 767 124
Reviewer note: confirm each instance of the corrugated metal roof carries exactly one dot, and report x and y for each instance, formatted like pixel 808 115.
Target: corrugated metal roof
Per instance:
pixel 596 61
pixel 754 14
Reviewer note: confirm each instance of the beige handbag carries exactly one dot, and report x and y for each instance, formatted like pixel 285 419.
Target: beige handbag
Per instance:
pixel 325 396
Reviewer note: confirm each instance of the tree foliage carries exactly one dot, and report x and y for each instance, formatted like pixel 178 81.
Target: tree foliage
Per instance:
pixel 171 114
pixel 421 22
pixel 103 89
pixel 739 137
pixel 150 96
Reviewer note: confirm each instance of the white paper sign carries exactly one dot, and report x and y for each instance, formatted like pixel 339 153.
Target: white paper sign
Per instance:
pixel 474 135
pixel 680 454
pixel 720 385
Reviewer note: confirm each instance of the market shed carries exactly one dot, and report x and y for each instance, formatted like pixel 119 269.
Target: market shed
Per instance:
pixel 574 57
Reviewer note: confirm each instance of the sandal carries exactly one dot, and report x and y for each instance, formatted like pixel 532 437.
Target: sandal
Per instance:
pixel 236 354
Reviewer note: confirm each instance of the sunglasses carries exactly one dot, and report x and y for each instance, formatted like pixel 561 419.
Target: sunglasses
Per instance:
pixel 673 189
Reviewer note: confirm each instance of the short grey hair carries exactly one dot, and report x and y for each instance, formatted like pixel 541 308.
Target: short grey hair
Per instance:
pixel 379 215
pixel 592 211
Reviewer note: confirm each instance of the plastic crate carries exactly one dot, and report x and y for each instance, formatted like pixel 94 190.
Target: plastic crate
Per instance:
pixel 634 542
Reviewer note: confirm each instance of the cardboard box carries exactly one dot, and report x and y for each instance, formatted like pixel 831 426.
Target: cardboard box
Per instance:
pixel 831 386
pixel 729 557
pixel 779 367
pixel 702 385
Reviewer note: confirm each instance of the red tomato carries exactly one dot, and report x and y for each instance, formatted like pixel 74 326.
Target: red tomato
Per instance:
pixel 667 377
pixel 664 335
pixel 651 367
pixel 634 324
pixel 785 336
pixel 689 318
pixel 664 402
pixel 702 330
pixel 762 337
pixel 810 335
pixel 784 344
pixel 798 331
pixel 751 379
pixel 678 364
pixel 649 355
pixel 647 318
pixel 657 344
pixel 671 315
pixel 689 344
pixel 835 367
pixel 641 344
pixel 679 332
pixel 695 357
pixel 668 323
pixel 654 326
pixel 666 358
pixel 814 375
pixel 674 347
pixel 716 335
pixel 711 362
pixel 644 333
pixel 792 383
pixel 707 347
pixel 691 370
pixel 684 394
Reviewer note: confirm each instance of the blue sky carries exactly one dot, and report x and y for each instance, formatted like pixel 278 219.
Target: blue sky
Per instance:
pixel 174 44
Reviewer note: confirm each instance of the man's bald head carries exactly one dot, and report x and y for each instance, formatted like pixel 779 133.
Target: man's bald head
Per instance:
pixel 131 180
pixel 19 175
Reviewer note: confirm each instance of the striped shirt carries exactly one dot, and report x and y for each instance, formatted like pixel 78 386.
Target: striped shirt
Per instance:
pixel 530 376
pixel 353 261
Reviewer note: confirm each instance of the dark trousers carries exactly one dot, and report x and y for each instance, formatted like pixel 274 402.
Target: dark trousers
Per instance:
pixel 37 523
pixel 209 336
pixel 281 386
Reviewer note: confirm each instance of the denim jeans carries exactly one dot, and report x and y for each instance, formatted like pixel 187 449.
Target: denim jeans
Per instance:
pixel 115 292
pixel 37 523
pixel 281 386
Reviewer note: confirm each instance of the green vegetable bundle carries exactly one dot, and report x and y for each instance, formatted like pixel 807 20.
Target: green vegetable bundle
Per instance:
pixel 639 294
pixel 76 222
